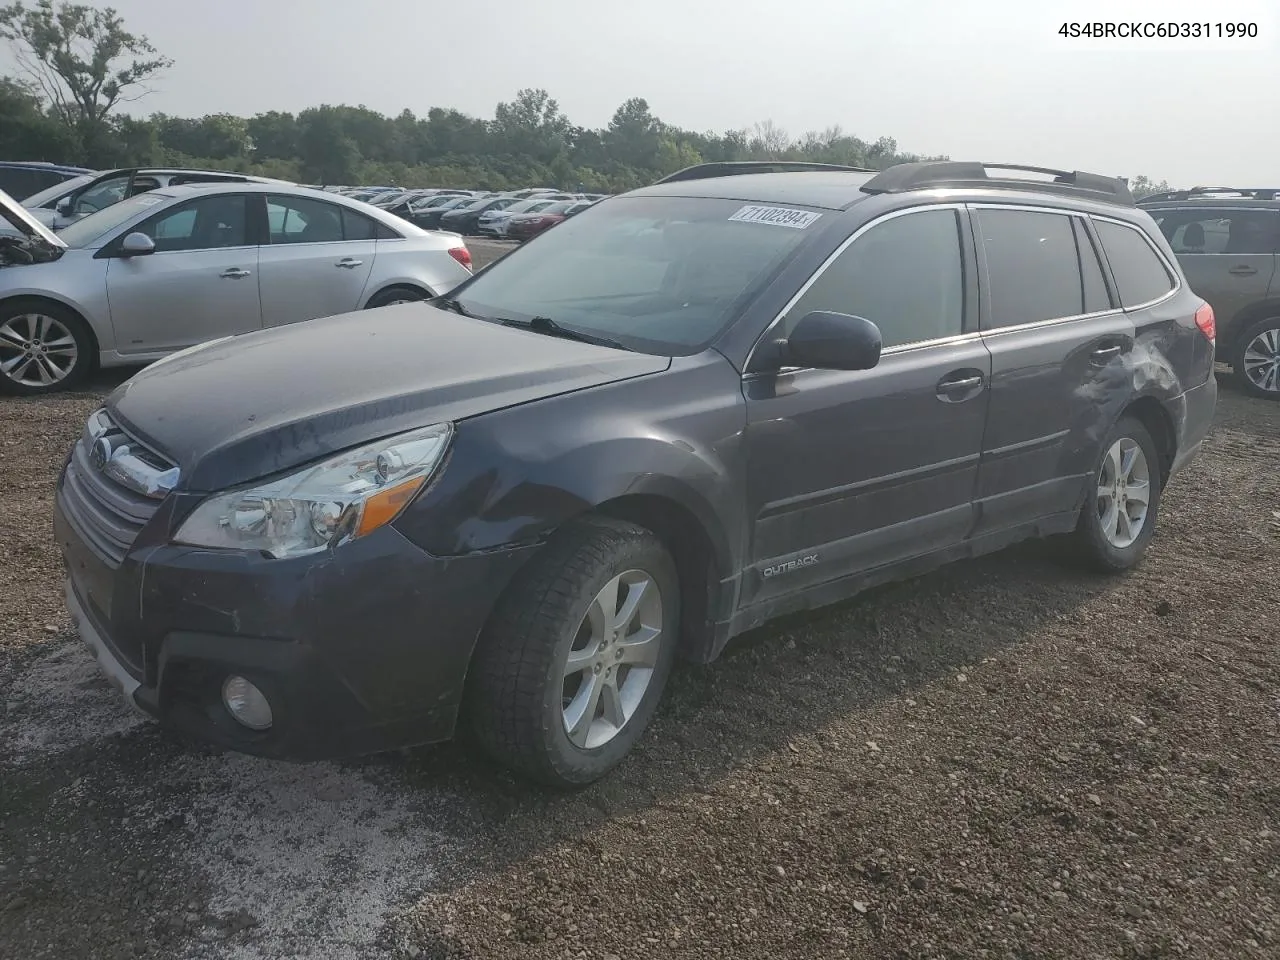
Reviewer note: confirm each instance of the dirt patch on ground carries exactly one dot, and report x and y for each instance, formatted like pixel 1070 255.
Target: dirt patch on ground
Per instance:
pixel 1006 759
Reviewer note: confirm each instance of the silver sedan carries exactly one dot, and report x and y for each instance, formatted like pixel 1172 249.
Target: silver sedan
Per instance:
pixel 177 266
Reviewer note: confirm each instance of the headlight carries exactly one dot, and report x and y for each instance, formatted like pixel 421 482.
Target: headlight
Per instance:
pixel 324 505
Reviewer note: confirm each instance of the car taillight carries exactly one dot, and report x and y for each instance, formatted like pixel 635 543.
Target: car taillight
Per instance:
pixel 463 256
pixel 1206 323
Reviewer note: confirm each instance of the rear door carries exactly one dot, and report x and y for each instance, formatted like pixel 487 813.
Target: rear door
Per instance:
pixel 851 470
pixel 1227 253
pixel 317 259
pixel 1056 336
pixel 200 283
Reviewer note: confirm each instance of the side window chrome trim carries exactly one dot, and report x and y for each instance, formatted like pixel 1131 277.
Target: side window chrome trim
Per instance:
pixel 971 337
pixel 1053 321
pixel 1171 269
pixel 835 255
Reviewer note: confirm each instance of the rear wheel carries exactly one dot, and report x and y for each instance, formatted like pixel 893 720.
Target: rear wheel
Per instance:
pixel 1119 515
pixel 572 664
pixel 385 298
pixel 1256 359
pixel 44 347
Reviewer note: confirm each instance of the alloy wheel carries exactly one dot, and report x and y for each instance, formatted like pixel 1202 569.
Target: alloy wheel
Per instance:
pixel 36 350
pixel 1262 360
pixel 1124 493
pixel 612 659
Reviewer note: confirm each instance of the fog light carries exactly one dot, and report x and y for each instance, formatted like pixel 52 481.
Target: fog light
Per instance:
pixel 246 703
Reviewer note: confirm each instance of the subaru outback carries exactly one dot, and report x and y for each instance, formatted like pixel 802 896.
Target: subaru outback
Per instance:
pixel 1227 241
pixel 685 411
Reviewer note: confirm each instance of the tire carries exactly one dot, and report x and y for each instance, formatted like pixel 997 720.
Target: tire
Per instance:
pixel 1255 359
pixel 1106 544
pixel 523 696
pixel 384 298
pixel 43 341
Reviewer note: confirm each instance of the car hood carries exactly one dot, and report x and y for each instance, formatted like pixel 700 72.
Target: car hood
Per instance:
pixel 244 407
pixel 21 219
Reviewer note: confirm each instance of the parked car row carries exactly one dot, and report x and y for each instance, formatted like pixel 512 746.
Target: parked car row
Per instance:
pixel 474 212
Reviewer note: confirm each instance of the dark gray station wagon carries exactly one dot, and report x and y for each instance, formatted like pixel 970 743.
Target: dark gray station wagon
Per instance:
pixel 743 391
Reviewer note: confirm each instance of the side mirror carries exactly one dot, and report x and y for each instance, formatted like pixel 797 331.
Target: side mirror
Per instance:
pixel 137 245
pixel 832 341
pixel 63 207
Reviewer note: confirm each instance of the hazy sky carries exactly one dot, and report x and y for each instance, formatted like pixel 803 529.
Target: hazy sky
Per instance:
pixel 983 79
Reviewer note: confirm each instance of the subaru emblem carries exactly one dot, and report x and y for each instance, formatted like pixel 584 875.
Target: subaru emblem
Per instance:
pixel 100 454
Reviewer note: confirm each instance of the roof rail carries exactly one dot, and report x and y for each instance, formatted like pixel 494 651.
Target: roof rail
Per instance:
pixel 1247 193
pixel 728 168
pixel 963 173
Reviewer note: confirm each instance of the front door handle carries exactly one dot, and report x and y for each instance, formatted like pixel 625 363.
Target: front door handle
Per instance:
pixel 959 387
pixel 1243 271
pixel 349 262
pixel 235 273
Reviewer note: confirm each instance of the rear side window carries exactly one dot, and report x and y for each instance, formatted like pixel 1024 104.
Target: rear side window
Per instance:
pixel 1033 267
pixel 905 275
pixel 1140 274
pixel 1217 231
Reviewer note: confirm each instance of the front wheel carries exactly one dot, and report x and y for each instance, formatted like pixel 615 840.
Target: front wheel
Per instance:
pixel 1256 359
pixel 1119 514
pixel 44 347
pixel 570 668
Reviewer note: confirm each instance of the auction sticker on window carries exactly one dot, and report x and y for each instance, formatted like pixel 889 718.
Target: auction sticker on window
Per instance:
pixel 776 216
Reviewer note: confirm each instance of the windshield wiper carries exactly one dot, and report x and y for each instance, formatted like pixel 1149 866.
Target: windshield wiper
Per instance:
pixel 548 326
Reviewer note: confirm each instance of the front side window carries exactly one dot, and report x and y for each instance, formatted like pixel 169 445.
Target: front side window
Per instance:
pixel 1033 267
pixel 661 275
pixel 1140 274
pixel 209 223
pixel 904 274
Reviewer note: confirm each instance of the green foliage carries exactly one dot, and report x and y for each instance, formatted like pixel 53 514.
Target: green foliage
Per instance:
pixel 78 64
pixel 82 62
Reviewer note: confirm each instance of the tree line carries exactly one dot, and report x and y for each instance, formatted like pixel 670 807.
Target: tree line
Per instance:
pixel 78 66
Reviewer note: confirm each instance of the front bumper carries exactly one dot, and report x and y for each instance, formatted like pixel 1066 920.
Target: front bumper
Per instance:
pixel 360 649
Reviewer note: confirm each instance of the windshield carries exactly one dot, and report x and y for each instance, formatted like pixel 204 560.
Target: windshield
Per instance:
pixel 88 229
pixel 50 195
pixel 661 275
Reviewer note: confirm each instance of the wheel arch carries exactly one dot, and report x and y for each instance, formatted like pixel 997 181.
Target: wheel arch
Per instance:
pixel 692 547
pixel 1155 416
pixel 1243 320
pixel 414 285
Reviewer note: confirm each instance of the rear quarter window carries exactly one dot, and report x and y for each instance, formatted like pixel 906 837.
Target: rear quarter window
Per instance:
pixel 1140 274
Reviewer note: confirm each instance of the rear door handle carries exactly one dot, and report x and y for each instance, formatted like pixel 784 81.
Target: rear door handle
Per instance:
pixel 349 262
pixel 1243 271
pixel 235 273
pixel 1103 354
pixel 955 389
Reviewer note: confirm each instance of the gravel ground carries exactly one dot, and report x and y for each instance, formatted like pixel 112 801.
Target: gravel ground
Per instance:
pixel 1004 759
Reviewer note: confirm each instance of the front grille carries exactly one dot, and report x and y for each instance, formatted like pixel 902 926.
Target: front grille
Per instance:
pixel 106 512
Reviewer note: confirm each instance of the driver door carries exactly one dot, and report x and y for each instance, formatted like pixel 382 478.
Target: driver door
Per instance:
pixel 853 470
pixel 200 283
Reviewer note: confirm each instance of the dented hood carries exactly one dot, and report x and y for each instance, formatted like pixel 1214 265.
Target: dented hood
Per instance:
pixel 244 407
